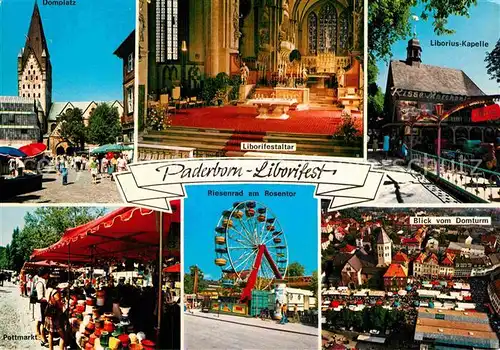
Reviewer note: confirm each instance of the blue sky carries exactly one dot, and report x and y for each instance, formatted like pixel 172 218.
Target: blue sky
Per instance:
pixel 12 217
pixel 483 24
pixel 298 217
pixel 81 41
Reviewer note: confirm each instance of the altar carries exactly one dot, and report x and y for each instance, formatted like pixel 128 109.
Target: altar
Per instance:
pixel 272 108
pixel 319 79
pixel 299 93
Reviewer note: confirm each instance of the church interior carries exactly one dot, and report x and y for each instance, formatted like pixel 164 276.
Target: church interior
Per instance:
pixel 215 73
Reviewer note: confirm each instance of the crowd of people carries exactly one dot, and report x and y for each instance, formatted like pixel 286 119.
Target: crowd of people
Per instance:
pixel 53 303
pixel 99 166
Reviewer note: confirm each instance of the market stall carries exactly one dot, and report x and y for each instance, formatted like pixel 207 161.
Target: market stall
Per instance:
pixel 104 313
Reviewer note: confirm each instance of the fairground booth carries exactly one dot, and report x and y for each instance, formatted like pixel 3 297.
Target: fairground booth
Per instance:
pixel 119 277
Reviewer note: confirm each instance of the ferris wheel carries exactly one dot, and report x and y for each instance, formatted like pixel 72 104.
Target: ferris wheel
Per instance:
pixel 245 234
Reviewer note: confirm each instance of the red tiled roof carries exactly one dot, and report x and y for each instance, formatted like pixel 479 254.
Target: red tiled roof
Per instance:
pixel 448 259
pixel 395 270
pixel 432 258
pixel 400 257
pixel 409 241
pixel 420 258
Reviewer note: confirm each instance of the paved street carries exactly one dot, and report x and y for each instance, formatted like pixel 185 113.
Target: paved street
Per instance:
pixel 15 319
pixel 79 190
pixel 412 187
pixel 207 331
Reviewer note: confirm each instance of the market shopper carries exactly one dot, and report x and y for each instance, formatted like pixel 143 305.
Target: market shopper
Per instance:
pixel 19 166
pixel 54 316
pixel 121 163
pixel 13 167
pixel 38 296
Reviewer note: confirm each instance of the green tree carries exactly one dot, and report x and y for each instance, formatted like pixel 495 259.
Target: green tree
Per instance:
pixel 72 127
pixel 104 125
pixel 493 62
pixel 313 285
pixel 295 269
pixel 189 280
pixel 43 227
pixel 3 258
pixel 389 20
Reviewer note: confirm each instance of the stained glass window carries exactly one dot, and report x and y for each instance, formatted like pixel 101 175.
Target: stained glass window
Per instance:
pixel 327 29
pixel 167 47
pixel 313 33
pixel 344 30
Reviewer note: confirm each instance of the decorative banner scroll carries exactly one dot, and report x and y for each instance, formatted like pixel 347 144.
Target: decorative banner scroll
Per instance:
pixel 154 184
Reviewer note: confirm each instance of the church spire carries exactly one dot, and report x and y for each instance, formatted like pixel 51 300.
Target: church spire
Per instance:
pixel 35 40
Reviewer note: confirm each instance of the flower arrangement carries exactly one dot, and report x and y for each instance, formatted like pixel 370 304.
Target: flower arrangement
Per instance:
pixel 347 129
pixel 158 118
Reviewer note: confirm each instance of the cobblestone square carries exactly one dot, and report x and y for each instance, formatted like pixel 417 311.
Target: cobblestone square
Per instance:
pixel 78 190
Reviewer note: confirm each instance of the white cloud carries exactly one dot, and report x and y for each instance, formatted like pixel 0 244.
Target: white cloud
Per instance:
pixel 493 1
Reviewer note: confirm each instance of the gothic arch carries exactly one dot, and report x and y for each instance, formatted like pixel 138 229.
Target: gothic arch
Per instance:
pixel 332 26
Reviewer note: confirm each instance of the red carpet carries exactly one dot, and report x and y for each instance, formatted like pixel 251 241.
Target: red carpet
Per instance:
pixel 234 143
pixel 242 119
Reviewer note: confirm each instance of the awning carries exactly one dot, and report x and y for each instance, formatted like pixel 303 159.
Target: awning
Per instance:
pixel 44 263
pixel 173 269
pixel 126 233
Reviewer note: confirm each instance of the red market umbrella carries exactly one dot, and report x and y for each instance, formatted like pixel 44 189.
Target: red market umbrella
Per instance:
pixel 173 269
pixel 33 149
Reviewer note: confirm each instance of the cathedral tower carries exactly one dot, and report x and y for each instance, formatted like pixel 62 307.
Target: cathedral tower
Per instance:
pixel 384 251
pixel 34 71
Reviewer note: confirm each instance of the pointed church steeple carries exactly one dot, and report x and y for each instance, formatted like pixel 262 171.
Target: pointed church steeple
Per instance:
pixel 35 39
pixel 34 70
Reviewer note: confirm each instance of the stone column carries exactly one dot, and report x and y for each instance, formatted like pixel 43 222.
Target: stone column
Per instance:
pixel 212 41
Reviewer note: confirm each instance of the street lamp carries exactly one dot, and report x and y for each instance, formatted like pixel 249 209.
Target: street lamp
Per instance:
pixel 183 63
pixel 439 112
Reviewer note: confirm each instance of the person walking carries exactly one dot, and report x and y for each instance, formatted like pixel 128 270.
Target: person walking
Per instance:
pixel 93 169
pixel 84 162
pixel 284 318
pixel 38 297
pixel 64 170
pixel 104 166
pixel 122 164
pixel 78 162
pixel 112 167
pixel 386 146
